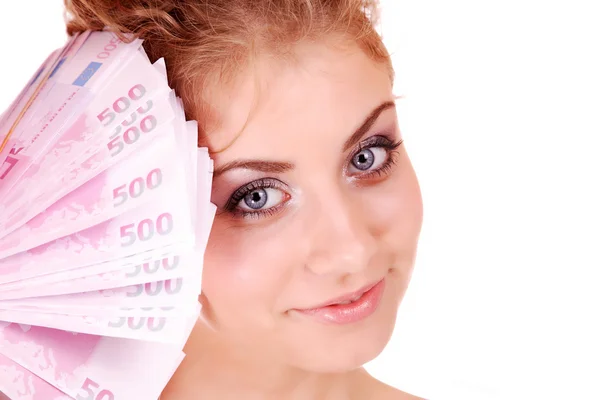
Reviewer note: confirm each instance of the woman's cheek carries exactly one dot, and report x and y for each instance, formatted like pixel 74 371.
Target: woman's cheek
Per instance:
pixel 244 267
pixel 393 209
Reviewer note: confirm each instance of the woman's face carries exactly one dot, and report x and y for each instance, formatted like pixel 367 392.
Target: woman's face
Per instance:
pixel 317 199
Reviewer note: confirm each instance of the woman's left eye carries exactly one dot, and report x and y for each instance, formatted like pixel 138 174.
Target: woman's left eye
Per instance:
pixel 375 156
pixel 368 159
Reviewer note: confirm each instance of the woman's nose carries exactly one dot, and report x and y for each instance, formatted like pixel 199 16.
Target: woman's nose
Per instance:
pixel 341 241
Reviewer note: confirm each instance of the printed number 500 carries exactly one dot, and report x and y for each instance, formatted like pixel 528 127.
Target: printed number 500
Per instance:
pixel 89 387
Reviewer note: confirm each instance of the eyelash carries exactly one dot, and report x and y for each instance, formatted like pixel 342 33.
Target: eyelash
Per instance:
pixel 241 192
pixel 378 141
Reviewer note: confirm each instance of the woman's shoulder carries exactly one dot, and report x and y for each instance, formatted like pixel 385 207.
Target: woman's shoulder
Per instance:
pixel 386 392
pixel 372 388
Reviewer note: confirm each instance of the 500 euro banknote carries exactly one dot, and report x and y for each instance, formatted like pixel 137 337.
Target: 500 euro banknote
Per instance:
pixel 19 383
pixel 138 180
pixel 35 190
pixel 61 276
pixel 65 95
pixel 115 117
pixel 90 367
pixel 101 271
pixel 39 84
pixel 168 327
pixel 150 226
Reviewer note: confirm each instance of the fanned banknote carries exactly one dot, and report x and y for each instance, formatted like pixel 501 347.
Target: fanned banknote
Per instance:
pixel 104 218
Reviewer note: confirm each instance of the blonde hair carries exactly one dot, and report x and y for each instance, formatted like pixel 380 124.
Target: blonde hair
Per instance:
pixel 208 42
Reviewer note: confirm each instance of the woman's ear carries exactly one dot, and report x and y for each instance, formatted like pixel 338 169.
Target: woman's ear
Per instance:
pixel 205 317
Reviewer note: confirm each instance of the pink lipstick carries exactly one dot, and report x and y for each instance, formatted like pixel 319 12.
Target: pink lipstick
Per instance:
pixel 350 308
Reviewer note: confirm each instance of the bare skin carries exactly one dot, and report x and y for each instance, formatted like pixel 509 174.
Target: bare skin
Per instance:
pixel 204 377
pixel 331 228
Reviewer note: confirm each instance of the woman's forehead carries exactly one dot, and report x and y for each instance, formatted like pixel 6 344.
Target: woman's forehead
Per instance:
pixel 323 94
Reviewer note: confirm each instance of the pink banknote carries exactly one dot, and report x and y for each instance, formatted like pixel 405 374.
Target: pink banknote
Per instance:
pixel 168 327
pixel 128 300
pixel 170 261
pixel 104 218
pixel 38 194
pixel 27 264
pixel 148 227
pixel 86 63
pixel 92 367
pixel 40 83
pixel 145 177
pixel 70 102
pixel 19 383
pixel 118 110
pixel 94 128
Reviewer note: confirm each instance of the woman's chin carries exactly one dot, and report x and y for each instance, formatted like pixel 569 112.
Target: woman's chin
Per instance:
pixel 343 356
pixel 334 349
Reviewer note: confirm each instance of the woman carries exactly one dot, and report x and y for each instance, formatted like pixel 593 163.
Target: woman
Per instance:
pixel 319 207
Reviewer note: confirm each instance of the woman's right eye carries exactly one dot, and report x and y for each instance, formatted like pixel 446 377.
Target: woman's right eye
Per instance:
pixel 257 198
pixel 261 198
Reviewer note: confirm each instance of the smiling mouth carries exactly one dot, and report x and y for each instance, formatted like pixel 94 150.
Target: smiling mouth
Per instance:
pixel 350 308
pixel 345 299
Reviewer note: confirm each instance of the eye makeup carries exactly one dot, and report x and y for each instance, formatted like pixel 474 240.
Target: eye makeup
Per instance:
pixel 262 185
pixel 388 144
pixel 259 191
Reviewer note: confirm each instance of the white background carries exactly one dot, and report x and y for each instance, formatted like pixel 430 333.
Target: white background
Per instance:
pixel 502 119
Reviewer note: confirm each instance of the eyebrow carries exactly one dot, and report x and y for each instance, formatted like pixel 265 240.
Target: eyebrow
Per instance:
pixel 273 167
pixel 279 167
pixel 366 125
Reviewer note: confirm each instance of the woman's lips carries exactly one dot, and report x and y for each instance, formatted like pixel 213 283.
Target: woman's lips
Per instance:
pixel 350 308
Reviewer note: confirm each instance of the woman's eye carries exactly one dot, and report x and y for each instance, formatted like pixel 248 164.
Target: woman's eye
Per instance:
pixel 261 198
pixel 370 158
pixel 258 198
